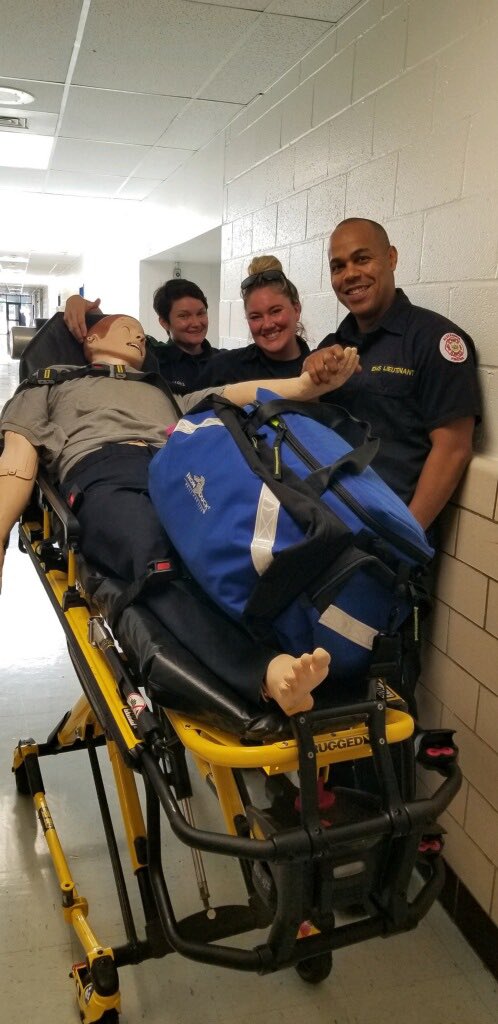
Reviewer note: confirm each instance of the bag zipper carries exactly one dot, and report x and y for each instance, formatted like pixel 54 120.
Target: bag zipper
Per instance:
pixel 283 432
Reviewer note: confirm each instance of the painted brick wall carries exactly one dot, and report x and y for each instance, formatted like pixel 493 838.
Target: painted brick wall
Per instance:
pixel 392 116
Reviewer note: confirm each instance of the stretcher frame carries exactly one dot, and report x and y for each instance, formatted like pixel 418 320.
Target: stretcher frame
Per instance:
pixel 295 872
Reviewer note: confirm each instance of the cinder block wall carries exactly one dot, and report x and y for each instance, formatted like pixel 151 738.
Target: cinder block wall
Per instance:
pixel 393 116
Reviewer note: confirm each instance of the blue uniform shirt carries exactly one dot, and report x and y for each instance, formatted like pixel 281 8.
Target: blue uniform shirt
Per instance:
pixel 418 373
pixel 250 363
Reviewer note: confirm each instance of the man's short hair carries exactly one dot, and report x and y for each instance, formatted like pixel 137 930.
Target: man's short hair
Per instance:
pixel 366 220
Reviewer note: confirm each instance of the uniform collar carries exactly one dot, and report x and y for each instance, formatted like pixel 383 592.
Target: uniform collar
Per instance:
pixel 393 321
pixel 257 354
pixel 206 349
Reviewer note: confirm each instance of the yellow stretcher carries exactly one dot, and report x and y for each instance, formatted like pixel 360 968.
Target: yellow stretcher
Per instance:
pixel 319 810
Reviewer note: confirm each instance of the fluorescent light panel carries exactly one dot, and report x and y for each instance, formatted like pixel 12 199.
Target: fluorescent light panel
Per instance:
pixel 19 150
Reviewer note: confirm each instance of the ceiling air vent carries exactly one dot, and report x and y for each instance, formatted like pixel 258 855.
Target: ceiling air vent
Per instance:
pixel 13 122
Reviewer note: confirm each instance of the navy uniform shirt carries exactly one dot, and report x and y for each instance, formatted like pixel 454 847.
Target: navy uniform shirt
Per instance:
pixel 418 373
pixel 181 370
pixel 251 363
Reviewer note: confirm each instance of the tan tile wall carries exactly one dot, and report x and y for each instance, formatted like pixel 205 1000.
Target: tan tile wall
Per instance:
pixel 460 676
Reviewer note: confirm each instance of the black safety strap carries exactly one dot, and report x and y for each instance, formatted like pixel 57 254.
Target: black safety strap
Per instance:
pixel 157 575
pixel 51 375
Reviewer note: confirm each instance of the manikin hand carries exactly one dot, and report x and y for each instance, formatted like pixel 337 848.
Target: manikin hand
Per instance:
pixel 333 373
pixel 325 361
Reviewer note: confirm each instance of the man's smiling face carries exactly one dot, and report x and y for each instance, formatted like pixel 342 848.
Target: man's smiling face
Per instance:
pixel 362 270
pixel 120 340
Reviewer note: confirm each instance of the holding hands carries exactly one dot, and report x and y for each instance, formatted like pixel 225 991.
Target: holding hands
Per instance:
pixel 325 363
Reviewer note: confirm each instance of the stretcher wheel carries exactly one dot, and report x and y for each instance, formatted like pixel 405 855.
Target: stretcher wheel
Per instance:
pixel 316 969
pixel 21 777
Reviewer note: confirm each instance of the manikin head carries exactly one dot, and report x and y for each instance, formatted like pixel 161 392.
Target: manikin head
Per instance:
pixel 362 264
pixel 116 339
pixel 272 308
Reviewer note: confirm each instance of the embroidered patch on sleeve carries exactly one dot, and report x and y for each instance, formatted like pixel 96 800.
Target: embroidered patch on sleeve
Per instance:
pixel 453 347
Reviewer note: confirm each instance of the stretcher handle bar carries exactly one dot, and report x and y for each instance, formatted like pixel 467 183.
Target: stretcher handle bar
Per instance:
pixel 61 510
pixel 363 708
pixel 294 844
pixel 229 956
pixel 422 810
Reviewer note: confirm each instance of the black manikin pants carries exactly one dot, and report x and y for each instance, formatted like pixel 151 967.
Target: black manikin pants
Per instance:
pixel 121 534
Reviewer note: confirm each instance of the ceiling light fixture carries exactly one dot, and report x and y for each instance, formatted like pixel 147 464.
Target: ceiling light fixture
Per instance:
pixel 18 150
pixel 14 97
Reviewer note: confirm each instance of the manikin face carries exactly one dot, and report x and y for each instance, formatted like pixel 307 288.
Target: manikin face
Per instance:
pixel 273 320
pixel 362 271
pixel 124 342
pixel 188 323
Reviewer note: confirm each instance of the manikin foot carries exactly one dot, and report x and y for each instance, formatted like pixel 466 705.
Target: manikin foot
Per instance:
pixel 289 680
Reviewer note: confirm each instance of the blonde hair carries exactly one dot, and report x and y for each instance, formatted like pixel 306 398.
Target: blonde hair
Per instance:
pixel 259 265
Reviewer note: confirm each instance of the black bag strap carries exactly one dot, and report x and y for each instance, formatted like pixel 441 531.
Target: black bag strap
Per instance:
pixel 325 535
pixel 364 445
pixel 354 431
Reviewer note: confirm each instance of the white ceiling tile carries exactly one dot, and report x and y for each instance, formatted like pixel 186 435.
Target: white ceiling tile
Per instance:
pixel 168 48
pixel 198 123
pixel 21 179
pixel 109 116
pixel 138 188
pixel 47 96
pixel 51 262
pixel 324 10
pixel 268 53
pixel 82 184
pixel 159 163
pixel 36 40
pixel 95 157
pixel 38 123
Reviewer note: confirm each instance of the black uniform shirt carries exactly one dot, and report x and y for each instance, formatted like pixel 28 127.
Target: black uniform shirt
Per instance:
pixel 418 373
pixel 251 363
pixel 181 370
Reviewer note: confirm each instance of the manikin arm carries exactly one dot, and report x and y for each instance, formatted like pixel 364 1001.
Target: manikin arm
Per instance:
pixel 301 388
pixel 18 468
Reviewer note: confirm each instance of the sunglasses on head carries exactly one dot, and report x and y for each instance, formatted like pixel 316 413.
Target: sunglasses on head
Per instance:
pixel 264 275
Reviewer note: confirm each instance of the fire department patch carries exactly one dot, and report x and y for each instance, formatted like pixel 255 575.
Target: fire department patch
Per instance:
pixel 453 347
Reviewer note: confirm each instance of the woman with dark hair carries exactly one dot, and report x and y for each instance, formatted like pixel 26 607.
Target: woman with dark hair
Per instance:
pixel 181 308
pixel 273 311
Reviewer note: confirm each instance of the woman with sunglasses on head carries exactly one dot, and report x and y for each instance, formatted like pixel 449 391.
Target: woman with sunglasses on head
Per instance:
pixel 182 311
pixel 273 309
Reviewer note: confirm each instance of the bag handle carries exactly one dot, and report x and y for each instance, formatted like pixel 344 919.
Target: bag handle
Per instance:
pixel 333 416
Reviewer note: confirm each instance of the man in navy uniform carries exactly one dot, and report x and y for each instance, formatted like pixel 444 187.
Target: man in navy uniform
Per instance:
pixel 418 387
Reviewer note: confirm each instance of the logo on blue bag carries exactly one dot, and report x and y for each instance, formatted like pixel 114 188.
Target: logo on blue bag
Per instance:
pixel 195 485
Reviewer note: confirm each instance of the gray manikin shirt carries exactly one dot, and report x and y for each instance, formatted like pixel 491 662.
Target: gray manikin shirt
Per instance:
pixel 67 421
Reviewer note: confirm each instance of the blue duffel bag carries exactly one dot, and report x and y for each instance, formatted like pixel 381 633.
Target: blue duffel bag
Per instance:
pixel 287 528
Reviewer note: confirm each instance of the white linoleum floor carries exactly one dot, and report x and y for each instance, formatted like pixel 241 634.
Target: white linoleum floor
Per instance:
pixel 430 975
